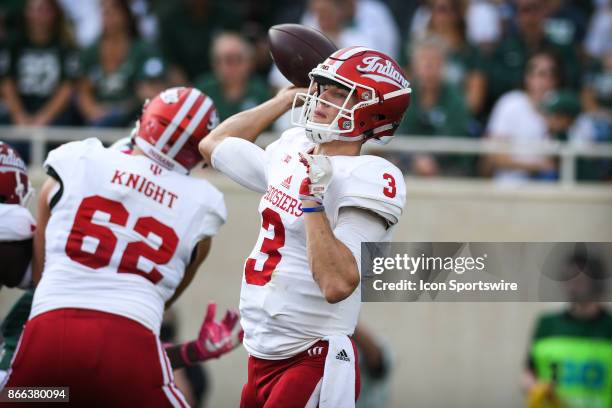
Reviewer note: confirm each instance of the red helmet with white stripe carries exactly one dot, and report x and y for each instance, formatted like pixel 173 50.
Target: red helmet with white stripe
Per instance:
pixel 382 95
pixel 15 187
pixel 172 125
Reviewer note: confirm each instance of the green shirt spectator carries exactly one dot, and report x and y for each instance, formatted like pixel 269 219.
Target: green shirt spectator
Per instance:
pixel 255 93
pixel 117 86
pixel 506 65
pixel 187 29
pixel 38 70
pixel 580 351
pixel 232 85
pixel 447 116
pixel 117 70
pixel 40 67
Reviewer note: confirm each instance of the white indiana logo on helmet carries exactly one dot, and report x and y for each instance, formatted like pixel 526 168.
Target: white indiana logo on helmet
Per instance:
pixel 14 177
pixel 376 84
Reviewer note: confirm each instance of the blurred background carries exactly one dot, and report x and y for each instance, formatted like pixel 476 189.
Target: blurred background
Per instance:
pixel 508 138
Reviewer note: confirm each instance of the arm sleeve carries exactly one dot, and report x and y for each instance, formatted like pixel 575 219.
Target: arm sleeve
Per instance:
pixel 356 225
pixel 242 161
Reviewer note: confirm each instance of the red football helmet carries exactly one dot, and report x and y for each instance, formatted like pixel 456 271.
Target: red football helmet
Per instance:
pixel 381 89
pixel 15 187
pixel 172 125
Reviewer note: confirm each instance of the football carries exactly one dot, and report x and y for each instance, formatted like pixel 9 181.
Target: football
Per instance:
pixel 297 49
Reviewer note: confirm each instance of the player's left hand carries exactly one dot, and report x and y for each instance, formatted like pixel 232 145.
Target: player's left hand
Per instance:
pixel 217 338
pixel 319 174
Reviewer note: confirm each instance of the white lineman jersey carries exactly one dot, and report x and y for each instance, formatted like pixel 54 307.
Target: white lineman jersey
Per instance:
pixel 16 223
pixel 283 309
pixel 122 232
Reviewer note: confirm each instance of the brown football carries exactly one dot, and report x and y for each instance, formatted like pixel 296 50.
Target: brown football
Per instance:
pixel 297 49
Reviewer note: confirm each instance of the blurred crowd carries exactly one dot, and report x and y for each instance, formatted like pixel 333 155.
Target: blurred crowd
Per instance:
pixel 519 71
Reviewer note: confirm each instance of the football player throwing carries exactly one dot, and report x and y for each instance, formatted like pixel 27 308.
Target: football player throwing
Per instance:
pixel 300 294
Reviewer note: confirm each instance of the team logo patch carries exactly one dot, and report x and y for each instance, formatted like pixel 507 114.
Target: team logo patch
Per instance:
pixel 287 158
pixel 381 70
pixel 315 351
pixel 342 355
pixel 287 182
pixel 155 169
pixel 170 95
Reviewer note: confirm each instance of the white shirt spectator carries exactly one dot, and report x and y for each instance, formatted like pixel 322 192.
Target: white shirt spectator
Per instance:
pixel 373 22
pixel 517 120
pixel 597 41
pixel 86 19
pixel 483 22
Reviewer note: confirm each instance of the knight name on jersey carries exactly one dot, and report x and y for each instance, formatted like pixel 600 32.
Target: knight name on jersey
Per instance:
pixel 284 201
pixel 144 186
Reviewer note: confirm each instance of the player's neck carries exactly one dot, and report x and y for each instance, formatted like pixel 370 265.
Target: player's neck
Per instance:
pixel 338 148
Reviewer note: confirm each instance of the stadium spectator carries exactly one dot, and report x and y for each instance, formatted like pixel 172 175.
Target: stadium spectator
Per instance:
pixel 505 67
pixel 570 354
pixel 85 18
pixel 462 66
pixel 565 22
pixel 517 120
pixel 483 23
pixel 193 380
pixel 187 28
pixel 597 41
pixel 41 67
pixel 437 109
pixel 232 84
pixel 370 18
pixel 375 365
pixel 119 70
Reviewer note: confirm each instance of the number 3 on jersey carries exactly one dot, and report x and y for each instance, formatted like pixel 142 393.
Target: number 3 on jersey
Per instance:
pixel 107 241
pixel 269 247
pixel 391 189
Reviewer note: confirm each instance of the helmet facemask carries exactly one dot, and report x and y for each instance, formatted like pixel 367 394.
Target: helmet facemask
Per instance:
pixel 342 127
pixel 23 191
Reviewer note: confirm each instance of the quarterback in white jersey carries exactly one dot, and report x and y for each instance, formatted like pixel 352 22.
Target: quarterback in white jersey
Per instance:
pixel 123 235
pixel 300 294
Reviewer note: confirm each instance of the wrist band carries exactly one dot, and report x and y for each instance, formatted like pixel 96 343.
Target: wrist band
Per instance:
pixel 185 354
pixel 313 209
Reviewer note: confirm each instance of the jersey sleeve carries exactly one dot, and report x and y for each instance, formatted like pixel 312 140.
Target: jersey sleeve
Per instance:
pixel 16 223
pixel 65 159
pixel 242 161
pixel 215 216
pixel 376 185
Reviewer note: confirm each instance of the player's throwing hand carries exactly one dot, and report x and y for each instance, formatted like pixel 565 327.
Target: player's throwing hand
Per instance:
pixel 319 173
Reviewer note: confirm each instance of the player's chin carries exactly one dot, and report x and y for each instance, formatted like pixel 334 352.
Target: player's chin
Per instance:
pixel 323 120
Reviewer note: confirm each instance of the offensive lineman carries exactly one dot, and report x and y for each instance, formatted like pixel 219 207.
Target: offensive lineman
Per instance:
pixel 121 237
pixel 16 233
pixel 300 297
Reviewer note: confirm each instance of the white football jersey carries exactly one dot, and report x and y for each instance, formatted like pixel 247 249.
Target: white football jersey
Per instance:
pixel 122 232
pixel 283 309
pixel 16 223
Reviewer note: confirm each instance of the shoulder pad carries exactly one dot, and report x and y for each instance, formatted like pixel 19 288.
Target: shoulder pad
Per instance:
pixel 63 159
pixel 293 139
pixel 372 183
pixel 16 223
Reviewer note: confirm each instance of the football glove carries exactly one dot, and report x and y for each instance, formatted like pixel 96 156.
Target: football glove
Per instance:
pixel 319 173
pixel 217 338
